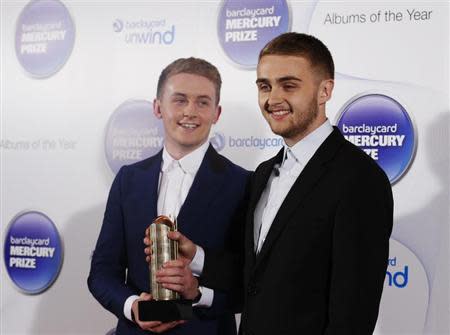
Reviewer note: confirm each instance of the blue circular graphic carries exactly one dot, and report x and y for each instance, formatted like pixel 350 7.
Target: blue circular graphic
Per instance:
pixel 245 27
pixel 33 252
pixel 218 141
pixel 45 36
pixel 118 25
pixel 380 126
pixel 133 134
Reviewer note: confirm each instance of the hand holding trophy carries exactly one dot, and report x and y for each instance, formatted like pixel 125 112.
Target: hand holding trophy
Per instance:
pixel 167 305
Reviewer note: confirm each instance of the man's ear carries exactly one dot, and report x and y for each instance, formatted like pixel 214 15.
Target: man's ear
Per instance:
pixel 325 91
pixel 218 111
pixel 157 108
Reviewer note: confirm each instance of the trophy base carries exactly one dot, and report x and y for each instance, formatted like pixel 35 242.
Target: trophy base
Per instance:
pixel 165 310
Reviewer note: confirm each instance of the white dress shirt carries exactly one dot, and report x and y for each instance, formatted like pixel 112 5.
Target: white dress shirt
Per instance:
pixel 175 180
pixel 295 159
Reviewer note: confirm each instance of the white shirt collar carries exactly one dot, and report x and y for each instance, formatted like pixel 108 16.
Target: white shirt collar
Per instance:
pixel 190 163
pixel 303 150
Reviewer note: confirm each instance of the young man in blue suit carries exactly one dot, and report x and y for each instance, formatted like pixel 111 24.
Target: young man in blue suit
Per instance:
pixel 319 215
pixel 189 180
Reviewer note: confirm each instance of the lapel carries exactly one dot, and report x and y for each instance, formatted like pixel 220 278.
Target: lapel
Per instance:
pixel 307 180
pixel 260 179
pixel 206 185
pixel 147 189
pixel 145 197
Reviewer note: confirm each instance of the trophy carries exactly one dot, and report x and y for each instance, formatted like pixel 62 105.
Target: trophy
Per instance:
pixel 166 304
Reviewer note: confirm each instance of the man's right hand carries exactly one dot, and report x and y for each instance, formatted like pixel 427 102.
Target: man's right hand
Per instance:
pixel 186 247
pixel 154 326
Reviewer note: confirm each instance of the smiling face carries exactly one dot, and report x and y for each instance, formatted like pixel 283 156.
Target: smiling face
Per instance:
pixel 188 107
pixel 292 95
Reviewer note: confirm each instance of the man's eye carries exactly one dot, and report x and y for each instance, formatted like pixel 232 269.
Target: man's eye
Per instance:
pixel 289 87
pixel 203 103
pixel 264 87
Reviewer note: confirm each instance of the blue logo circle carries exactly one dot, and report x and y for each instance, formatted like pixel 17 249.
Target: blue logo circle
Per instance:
pixel 245 27
pixel 133 134
pixel 45 35
pixel 380 126
pixel 118 25
pixel 33 252
pixel 218 141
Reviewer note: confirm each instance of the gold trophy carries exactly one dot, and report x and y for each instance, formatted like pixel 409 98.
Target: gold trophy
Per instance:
pixel 166 304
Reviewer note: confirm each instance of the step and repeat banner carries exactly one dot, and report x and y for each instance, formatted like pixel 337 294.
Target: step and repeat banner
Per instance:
pixel 77 83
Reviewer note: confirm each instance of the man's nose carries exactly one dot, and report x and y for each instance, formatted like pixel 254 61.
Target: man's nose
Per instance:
pixel 190 110
pixel 275 97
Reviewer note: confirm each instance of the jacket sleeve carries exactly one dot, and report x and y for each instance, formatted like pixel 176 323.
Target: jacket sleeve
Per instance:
pixel 106 279
pixel 360 250
pixel 223 269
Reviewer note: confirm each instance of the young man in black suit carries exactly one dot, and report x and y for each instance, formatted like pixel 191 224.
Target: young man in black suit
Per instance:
pixel 320 212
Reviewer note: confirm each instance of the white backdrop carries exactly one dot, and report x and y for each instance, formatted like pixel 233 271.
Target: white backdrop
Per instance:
pixel 55 126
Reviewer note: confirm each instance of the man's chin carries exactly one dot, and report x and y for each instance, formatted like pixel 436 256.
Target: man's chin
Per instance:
pixel 278 131
pixel 190 145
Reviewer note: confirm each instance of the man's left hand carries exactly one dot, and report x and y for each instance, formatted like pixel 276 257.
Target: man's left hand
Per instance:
pixel 177 276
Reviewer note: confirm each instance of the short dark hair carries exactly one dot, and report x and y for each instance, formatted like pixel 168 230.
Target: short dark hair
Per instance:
pixel 297 44
pixel 190 65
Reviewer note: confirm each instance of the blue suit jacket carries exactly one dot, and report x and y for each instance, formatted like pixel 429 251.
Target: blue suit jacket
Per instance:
pixel 213 205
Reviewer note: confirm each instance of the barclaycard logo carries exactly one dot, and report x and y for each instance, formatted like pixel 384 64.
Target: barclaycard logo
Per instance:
pixel 383 129
pixel 218 141
pixel 118 25
pixel 44 38
pixel 133 134
pixel 145 31
pixel 33 252
pixel 397 276
pixel 245 26
pixel 405 284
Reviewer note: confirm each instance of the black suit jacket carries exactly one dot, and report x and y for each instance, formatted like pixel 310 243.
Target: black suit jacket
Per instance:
pixel 322 266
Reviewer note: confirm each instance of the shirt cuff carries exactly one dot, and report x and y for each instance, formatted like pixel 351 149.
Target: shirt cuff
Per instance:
pixel 198 261
pixel 128 304
pixel 206 299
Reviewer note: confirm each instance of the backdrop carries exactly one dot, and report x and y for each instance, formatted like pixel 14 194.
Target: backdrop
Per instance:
pixel 78 79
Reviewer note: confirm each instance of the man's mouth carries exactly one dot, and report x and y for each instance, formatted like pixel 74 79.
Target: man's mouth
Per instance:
pixel 188 125
pixel 280 112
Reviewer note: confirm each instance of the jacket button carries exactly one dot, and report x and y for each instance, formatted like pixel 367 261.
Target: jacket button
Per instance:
pixel 252 290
